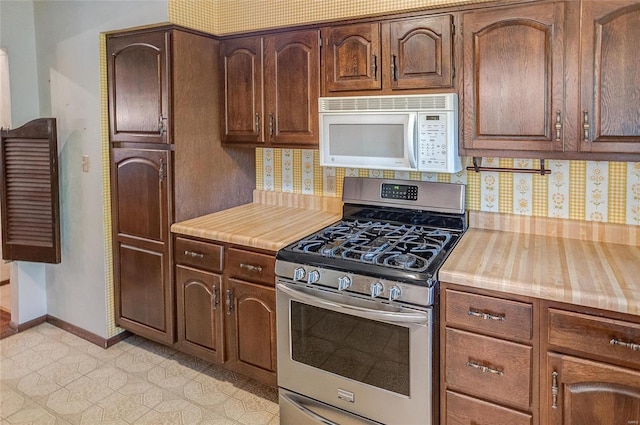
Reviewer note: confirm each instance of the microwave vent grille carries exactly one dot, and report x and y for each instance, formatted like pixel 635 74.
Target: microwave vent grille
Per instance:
pixel 388 103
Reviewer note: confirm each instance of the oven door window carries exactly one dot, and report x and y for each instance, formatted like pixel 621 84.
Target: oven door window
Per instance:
pixel 364 350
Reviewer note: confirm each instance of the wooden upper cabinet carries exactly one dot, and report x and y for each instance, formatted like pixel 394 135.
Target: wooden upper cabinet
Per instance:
pixel 513 78
pixel 352 56
pixel 281 72
pixel 242 73
pixel 408 54
pixel 610 69
pixel 292 87
pixel 420 53
pixel 139 86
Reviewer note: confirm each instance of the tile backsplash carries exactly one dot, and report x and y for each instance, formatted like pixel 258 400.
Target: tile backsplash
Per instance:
pixel 580 190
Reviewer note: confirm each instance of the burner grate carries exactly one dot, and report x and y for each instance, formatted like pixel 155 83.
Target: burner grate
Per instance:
pixel 400 246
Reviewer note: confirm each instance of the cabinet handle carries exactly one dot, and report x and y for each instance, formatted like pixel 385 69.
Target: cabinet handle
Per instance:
pixel 193 254
pixel 257 123
pixel 393 68
pixel 558 126
pixel 585 125
pixel 554 390
pixel 271 124
pixel 630 345
pixel 229 301
pixel 214 299
pixel 251 267
pixel 162 170
pixel 162 127
pixel 486 316
pixel 484 368
pixel 374 66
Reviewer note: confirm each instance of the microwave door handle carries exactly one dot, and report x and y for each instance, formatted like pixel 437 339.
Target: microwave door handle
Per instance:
pixel 367 313
pixel 413 137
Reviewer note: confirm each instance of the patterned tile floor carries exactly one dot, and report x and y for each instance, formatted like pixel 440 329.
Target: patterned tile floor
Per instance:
pixel 49 376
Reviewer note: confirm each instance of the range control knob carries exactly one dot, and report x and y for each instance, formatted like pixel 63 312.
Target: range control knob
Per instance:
pixel 343 283
pixel 313 276
pixel 376 289
pixel 299 273
pixel 394 292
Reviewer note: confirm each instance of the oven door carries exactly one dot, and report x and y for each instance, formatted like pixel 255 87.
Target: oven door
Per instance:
pixel 362 356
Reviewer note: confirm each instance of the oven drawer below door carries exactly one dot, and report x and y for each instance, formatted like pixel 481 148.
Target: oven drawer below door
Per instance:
pixel 489 368
pixel 296 409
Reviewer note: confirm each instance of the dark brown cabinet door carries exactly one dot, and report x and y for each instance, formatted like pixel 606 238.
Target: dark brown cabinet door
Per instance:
pixel 609 118
pixel 140 217
pixel 513 78
pixel 199 313
pixel 242 73
pixel 138 74
pixel 251 329
pixel 292 87
pixel 420 53
pixel 352 57
pixel 581 392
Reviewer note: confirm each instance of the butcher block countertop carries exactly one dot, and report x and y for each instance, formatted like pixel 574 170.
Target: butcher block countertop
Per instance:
pixel 587 264
pixel 272 221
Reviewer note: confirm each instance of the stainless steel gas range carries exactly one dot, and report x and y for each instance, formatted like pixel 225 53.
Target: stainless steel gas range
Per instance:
pixel 357 306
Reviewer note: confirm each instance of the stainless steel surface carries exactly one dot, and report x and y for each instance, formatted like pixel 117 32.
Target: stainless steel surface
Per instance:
pixel 360 284
pixel 296 409
pixel 434 196
pixel 330 395
pixel 355 306
pixel 362 308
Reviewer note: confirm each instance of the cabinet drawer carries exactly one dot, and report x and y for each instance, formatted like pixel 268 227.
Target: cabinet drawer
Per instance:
pixel 495 316
pixel 490 368
pixel 201 255
pixel 463 410
pixel 616 340
pixel 251 266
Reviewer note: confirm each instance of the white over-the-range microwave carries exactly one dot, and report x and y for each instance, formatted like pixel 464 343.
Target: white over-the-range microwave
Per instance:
pixel 406 133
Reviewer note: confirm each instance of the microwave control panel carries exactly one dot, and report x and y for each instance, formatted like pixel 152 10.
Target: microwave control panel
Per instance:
pixel 437 142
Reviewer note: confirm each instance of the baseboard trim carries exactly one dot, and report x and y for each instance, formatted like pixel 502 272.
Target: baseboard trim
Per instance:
pixel 66 326
pixel 86 335
pixel 27 325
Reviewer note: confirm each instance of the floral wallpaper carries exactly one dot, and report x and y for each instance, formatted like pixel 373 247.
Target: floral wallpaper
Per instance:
pixel 582 190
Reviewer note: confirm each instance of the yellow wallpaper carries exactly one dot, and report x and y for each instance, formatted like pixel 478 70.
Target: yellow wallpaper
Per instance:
pixel 582 190
pixel 231 16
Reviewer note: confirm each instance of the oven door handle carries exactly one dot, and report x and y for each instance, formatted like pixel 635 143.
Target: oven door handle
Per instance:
pixel 416 317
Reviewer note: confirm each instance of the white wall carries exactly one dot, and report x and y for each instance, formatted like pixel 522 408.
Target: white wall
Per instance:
pixel 66 73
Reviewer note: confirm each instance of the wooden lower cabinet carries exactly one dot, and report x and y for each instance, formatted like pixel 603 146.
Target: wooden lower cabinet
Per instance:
pixel 199 313
pixel 226 306
pixel 580 391
pixel 251 329
pixel 250 320
pixel 465 410
pixel 591 372
pixel 488 359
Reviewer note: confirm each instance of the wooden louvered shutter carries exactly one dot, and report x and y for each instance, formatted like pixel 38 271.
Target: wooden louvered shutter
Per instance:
pixel 30 202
